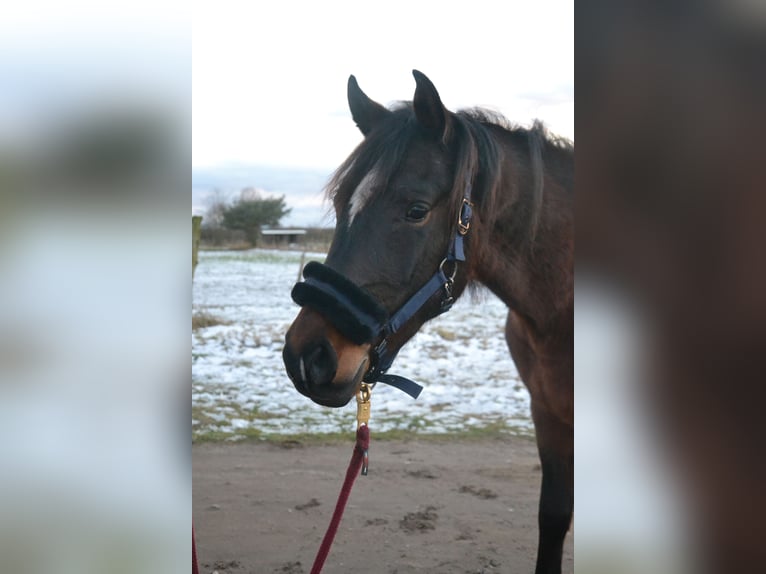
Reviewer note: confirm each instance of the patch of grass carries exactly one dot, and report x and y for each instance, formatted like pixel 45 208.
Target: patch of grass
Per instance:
pixel 439 407
pixel 210 436
pixel 256 256
pixel 241 246
pixel 233 410
pixel 214 435
pixel 496 429
pixel 490 431
pixel 204 319
pixel 446 334
pixel 199 415
pixel 436 351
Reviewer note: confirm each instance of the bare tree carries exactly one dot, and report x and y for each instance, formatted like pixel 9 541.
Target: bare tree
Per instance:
pixel 216 205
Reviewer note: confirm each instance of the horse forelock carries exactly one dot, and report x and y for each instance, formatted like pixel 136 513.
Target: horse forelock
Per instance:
pixel 371 165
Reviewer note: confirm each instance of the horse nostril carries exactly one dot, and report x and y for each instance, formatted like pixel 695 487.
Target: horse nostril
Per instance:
pixel 320 364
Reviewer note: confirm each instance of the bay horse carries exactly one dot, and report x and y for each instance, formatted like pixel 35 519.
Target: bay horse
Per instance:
pixel 498 201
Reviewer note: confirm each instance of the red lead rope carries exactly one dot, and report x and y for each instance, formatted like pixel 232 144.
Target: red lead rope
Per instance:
pixel 358 461
pixel 195 568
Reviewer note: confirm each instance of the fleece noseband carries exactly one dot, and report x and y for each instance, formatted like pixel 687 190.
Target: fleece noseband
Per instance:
pixel 357 315
pixel 351 309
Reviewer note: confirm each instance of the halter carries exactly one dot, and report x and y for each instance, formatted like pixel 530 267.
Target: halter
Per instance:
pixel 362 319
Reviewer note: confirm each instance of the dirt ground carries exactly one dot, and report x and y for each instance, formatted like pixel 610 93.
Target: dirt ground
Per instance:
pixel 446 506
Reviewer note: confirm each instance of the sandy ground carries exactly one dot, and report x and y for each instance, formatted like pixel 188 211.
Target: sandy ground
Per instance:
pixel 446 506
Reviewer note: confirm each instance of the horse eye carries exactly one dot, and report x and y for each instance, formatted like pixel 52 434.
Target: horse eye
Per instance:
pixel 417 211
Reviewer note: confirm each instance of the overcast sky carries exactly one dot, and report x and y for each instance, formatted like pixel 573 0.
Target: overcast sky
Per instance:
pixel 269 79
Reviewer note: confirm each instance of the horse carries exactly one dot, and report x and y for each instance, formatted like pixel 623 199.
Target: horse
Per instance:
pixel 497 199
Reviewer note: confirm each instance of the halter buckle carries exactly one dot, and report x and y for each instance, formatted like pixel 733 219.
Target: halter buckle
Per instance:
pixel 374 371
pixel 464 219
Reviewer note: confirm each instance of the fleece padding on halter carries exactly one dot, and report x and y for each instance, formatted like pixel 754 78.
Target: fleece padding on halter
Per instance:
pixel 351 309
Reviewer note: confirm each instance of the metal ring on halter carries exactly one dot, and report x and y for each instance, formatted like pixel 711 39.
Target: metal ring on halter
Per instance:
pixel 364 392
pixel 451 277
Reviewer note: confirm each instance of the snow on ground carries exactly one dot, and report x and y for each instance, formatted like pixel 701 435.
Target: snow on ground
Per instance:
pixel 239 386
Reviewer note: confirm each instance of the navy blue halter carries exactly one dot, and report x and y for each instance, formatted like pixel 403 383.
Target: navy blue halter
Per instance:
pixel 361 318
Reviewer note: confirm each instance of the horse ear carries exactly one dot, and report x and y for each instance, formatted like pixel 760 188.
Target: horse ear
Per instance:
pixel 366 113
pixel 429 109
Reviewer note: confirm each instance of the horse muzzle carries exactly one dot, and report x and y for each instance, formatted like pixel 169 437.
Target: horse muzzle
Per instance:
pixel 358 322
pixel 323 364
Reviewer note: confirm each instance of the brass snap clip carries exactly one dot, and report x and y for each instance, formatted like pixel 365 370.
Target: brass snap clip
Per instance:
pixel 363 417
pixel 363 405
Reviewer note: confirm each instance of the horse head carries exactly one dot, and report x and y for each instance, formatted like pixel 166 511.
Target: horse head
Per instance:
pixel 397 202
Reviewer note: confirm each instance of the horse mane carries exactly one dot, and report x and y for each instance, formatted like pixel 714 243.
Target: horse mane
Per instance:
pixel 479 158
pixel 545 151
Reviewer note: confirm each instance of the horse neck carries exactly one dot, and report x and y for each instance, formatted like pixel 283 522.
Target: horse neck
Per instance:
pixel 533 276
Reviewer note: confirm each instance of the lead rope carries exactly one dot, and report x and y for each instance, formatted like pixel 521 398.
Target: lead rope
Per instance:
pixel 195 568
pixel 359 461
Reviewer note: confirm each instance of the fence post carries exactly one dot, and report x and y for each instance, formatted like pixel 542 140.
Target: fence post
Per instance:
pixel 196 226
